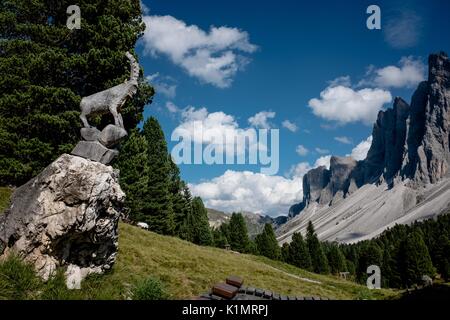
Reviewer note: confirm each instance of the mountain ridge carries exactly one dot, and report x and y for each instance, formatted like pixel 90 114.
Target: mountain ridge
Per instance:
pixel 408 162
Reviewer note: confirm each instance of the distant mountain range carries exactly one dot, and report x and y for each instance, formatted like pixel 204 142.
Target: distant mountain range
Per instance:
pixel 405 176
pixel 255 222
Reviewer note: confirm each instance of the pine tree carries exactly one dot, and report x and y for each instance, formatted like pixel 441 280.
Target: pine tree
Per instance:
pixel 177 187
pixel 199 228
pixel 318 258
pixel 158 212
pixel 285 252
pixel 133 164
pixel 370 254
pixel 298 253
pixel 416 259
pixel 219 239
pixel 237 233
pixel 442 257
pixel 45 69
pixel 336 260
pixel 267 244
pixel 183 221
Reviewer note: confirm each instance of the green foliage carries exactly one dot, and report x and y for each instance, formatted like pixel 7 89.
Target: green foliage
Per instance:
pixel 417 260
pixel 236 233
pixel 45 69
pixel 298 254
pixel 198 225
pixel 336 260
pixel 219 239
pixel 134 173
pixel 285 252
pixel 405 253
pixel 318 258
pixel 442 256
pixel 267 244
pixel 149 289
pixel 157 210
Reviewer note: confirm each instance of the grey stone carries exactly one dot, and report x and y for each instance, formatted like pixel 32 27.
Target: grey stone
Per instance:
pixel 94 150
pixel 111 135
pixel 90 134
pixel 66 216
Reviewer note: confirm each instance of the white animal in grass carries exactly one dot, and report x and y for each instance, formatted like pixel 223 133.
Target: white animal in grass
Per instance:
pixel 143 225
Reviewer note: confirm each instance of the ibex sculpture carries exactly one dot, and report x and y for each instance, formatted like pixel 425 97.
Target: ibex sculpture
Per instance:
pixel 112 99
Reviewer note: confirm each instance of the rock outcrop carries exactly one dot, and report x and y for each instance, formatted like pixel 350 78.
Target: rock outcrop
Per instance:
pixel 409 153
pixel 66 216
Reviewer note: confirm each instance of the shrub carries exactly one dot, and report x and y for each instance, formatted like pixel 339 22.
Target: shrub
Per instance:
pixel 149 289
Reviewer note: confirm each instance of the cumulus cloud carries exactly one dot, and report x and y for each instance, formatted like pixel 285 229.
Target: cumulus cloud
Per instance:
pixel 408 74
pixel 301 150
pixel 163 85
pixel 323 161
pixel 346 105
pixel 171 107
pixel 218 130
pixel 343 139
pixel 403 30
pixel 340 81
pixel 289 125
pixel 248 191
pixel 213 56
pixel 261 119
pixel 360 151
pixel 322 151
pixel 144 8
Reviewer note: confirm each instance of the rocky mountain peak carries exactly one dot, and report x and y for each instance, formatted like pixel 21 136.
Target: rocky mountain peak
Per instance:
pixel 439 69
pixel 410 143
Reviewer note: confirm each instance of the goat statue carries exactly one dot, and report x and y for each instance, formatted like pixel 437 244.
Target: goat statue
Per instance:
pixel 99 145
pixel 112 99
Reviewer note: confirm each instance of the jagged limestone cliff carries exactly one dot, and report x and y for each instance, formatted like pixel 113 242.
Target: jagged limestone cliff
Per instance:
pixel 404 177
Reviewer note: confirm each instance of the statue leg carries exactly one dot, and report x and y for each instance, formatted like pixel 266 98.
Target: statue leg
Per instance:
pixel 121 120
pixel 113 110
pixel 84 120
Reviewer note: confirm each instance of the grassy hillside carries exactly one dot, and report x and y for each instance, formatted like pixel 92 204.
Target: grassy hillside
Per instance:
pixel 189 270
pixel 186 270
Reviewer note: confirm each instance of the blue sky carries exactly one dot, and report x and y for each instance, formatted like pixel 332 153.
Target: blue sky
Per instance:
pixel 276 60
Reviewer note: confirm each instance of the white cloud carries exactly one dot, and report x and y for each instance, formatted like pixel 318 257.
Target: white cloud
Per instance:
pixel 213 57
pixel 360 151
pixel 171 107
pixel 289 125
pixel 299 170
pixel 345 105
pixel 248 191
pixel 408 74
pixel 301 150
pixel 322 151
pixel 323 161
pixel 343 139
pixel 403 30
pixel 163 85
pixel 261 119
pixel 145 9
pixel 214 125
pixel 340 81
